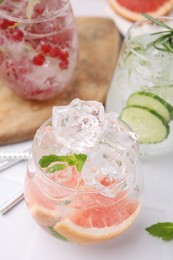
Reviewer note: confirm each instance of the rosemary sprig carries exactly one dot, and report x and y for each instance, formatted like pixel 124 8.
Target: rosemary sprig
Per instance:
pixel 165 41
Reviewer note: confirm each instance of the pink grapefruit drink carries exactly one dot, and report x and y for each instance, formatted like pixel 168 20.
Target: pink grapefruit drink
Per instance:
pixel 38 46
pixel 84 180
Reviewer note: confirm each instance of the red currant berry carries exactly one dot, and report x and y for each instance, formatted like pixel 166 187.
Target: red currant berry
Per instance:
pixel 45 48
pixel 4 23
pixel 39 8
pixel 17 34
pixel 64 55
pixel 105 181
pixel 38 60
pixel 63 65
pixel 11 23
pixel 55 52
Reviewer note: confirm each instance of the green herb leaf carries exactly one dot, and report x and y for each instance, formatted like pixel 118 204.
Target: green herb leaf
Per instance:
pixel 56 234
pixel 163 230
pixel 162 24
pixel 165 41
pixel 77 160
pixel 56 167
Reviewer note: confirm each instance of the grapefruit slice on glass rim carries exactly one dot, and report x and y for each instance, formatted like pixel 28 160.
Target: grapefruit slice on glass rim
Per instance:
pixel 131 10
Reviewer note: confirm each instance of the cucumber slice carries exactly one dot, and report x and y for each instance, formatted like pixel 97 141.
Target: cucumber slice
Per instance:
pixel 152 101
pixel 150 126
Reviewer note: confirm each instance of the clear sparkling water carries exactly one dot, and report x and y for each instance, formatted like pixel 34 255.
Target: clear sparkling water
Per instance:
pixel 141 67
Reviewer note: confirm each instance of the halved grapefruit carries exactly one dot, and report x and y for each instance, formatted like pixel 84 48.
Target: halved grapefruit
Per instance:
pixel 132 9
pixel 98 224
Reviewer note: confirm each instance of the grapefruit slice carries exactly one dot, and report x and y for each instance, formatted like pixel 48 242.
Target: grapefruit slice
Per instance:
pixel 43 216
pixel 98 224
pixel 132 10
pixel 88 218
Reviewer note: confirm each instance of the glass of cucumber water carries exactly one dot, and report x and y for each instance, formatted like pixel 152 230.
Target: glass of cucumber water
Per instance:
pixel 142 86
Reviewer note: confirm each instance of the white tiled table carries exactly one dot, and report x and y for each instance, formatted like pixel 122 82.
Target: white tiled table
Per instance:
pixel 22 239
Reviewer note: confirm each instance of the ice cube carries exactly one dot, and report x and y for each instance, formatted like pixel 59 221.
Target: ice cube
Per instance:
pixel 103 170
pixel 78 126
pixel 45 143
pixel 117 135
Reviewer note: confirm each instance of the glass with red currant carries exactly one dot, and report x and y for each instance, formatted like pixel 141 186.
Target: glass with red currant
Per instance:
pixel 38 46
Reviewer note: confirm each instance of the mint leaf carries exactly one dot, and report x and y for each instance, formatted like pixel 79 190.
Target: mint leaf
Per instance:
pixel 163 230
pixel 56 167
pixel 45 161
pixel 56 234
pixel 77 160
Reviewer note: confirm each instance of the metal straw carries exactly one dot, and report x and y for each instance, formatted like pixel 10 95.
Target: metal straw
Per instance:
pixel 14 155
pixel 12 158
pixel 8 159
pixel 12 202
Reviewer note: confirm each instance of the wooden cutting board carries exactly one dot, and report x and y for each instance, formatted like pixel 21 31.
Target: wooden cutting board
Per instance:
pixel 99 43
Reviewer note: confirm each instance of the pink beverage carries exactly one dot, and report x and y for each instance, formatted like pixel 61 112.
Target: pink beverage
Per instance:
pixel 38 46
pixel 84 179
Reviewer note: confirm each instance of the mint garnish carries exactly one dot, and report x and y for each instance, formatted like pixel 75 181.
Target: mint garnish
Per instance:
pixel 77 160
pixel 56 167
pixel 163 230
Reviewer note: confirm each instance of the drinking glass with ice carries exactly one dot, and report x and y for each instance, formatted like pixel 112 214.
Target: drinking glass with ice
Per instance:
pixel 142 88
pixel 84 179
pixel 38 47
